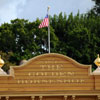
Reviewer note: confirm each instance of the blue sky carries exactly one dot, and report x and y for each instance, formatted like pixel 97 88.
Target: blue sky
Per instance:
pixel 32 9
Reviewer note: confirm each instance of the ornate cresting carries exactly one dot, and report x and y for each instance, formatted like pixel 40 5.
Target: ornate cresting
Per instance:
pixel 1 62
pixel 97 63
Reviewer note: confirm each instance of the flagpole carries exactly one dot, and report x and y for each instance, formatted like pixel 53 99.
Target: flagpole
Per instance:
pixel 48 30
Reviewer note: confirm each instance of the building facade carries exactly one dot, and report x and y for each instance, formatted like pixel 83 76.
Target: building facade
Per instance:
pixel 50 77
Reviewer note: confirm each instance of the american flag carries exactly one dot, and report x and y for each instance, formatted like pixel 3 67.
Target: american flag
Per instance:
pixel 45 22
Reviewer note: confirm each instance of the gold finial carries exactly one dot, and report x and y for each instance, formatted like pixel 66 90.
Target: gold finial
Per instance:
pixel 1 62
pixel 98 55
pixel 97 61
pixel 48 7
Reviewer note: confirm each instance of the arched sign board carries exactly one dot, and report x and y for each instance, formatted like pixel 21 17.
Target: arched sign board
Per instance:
pixel 50 73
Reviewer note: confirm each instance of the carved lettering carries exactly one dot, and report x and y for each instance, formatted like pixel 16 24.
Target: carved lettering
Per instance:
pixel 31 81
pixel 51 67
pixel 59 81
pixel 37 74
pixel 48 67
pixel 81 80
pixel 18 81
pixel 26 81
pixel 29 74
pixel 22 81
pixel 46 74
pixel 51 81
pixel 70 73
pixel 51 72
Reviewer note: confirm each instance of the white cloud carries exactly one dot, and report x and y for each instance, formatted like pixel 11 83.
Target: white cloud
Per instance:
pixel 31 9
pixel 9 9
pixel 38 8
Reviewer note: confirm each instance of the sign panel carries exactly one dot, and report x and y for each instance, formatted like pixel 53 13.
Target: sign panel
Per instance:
pixel 51 72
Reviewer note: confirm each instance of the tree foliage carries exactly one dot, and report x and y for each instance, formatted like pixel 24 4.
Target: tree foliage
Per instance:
pixel 96 9
pixel 75 36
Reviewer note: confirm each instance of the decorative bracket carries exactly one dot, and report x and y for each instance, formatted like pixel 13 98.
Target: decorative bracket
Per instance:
pixel 98 97
pixel 33 97
pixel 40 97
pixel 65 97
pixel 73 97
pixel 7 98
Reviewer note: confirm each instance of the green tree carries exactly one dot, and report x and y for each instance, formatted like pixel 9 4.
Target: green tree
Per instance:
pixel 96 8
pixel 25 39
pixel 78 36
pixel 75 36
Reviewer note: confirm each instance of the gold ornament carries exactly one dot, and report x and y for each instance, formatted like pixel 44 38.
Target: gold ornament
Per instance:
pixel 1 62
pixel 97 61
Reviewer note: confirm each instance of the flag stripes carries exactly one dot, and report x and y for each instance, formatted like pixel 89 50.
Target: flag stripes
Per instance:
pixel 45 22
